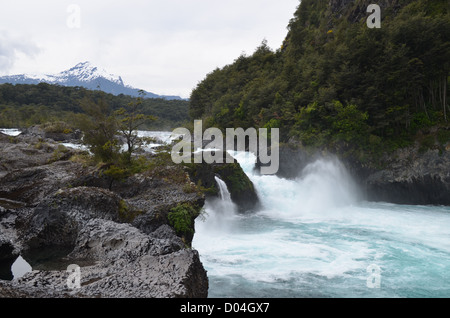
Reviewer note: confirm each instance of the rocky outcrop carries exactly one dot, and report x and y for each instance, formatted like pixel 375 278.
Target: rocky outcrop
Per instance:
pixel 8 255
pixel 119 261
pixel 61 135
pixel 27 151
pixel 241 188
pixel 411 177
pixel 31 185
pixel 57 212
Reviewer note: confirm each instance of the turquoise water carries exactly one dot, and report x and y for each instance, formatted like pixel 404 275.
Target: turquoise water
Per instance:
pixel 317 237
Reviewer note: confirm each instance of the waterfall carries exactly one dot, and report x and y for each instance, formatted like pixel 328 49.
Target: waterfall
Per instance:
pixel 315 236
pixel 224 193
pixel 221 211
pixel 223 207
pixel 323 186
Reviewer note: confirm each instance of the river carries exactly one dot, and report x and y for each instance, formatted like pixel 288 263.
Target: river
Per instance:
pixel 317 237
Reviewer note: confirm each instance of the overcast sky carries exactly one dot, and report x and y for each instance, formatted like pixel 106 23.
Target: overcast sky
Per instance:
pixel 162 46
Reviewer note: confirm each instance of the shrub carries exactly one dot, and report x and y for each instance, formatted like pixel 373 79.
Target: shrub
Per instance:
pixel 182 218
pixel 443 136
pixel 57 127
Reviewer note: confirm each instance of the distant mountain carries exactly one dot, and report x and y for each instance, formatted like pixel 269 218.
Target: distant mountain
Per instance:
pixel 84 75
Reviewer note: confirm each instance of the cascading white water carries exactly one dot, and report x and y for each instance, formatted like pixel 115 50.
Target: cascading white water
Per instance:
pixel 223 190
pixel 314 236
pixel 221 211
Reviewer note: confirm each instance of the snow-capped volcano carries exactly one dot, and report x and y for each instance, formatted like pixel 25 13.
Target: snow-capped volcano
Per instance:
pixel 85 75
pixel 86 72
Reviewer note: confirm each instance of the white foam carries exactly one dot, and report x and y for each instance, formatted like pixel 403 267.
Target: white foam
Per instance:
pixel 20 268
pixel 316 232
pixel 11 132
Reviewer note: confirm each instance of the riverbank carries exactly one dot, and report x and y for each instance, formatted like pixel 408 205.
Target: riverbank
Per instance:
pixel 124 236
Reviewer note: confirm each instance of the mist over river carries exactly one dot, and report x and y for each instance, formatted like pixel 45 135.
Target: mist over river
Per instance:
pixel 316 237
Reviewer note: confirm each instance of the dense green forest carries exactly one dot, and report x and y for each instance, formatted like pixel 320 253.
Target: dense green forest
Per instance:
pixel 337 83
pixel 25 105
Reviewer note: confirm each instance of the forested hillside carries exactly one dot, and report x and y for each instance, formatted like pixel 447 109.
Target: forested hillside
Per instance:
pixel 26 105
pixel 335 81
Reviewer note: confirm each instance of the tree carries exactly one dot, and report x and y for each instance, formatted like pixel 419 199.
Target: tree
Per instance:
pixel 100 129
pixel 128 121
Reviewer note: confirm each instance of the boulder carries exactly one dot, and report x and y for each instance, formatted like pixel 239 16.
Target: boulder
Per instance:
pixel 59 134
pixel 241 188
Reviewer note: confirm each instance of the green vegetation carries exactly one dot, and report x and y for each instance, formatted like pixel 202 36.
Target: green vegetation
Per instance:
pixel 57 127
pixel 182 219
pixel 103 130
pixel 335 83
pixel 235 178
pixel 59 153
pixel 98 124
pixel 127 214
pixel 128 121
pixel 26 105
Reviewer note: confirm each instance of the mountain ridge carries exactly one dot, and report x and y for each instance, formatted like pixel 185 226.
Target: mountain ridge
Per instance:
pixel 86 75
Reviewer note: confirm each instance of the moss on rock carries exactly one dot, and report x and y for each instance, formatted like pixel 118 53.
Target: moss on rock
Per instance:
pixel 241 188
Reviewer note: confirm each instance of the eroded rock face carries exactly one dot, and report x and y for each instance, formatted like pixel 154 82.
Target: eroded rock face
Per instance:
pixel 59 217
pixel 7 257
pixel 413 178
pixel 126 263
pixel 59 213
pixel 241 188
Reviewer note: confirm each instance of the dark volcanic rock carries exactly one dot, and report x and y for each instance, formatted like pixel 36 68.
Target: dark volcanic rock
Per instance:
pixel 241 188
pixel 32 185
pixel 25 151
pixel 38 131
pixel 176 275
pixel 412 178
pixel 122 261
pixel 8 255
pixel 58 218
pixel 61 213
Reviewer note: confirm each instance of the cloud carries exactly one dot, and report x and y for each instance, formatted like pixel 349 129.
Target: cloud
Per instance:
pixel 163 46
pixel 11 47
